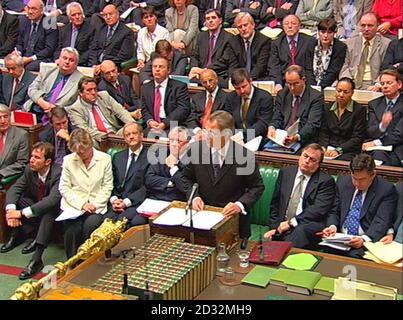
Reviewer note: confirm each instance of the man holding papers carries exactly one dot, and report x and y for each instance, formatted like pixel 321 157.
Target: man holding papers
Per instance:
pixel 302 199
pixel 297 102
pixel 129 167
pixel 364 206
pixel 385 124
pixel 86 184
pixel 32 204
pixel 226 172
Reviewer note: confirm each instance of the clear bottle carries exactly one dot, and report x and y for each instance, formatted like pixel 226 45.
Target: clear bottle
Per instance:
pixel 222 258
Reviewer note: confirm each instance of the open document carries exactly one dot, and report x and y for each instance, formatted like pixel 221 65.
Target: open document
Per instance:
pixel 282 134
pixel 69 214
pixel 150 207
pixel 204 220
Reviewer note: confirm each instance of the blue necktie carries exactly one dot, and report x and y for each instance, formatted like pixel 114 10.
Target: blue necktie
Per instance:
pixel 353 217
pixel 389 106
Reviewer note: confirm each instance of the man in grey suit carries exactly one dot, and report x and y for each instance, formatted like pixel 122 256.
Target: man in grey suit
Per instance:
pixel 55 85
pixel 14 84
pixel 13 146
pixel 365 53
pixel 97 112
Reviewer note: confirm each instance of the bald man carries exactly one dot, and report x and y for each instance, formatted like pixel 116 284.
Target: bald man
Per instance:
pixel 118 86
pixel 204 103
pixel 37 43
pixel 113 40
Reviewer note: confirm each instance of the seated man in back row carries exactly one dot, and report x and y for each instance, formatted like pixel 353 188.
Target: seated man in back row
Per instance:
pixel 364 206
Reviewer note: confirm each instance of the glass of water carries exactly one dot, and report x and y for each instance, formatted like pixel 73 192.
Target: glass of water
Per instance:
pixel 243 256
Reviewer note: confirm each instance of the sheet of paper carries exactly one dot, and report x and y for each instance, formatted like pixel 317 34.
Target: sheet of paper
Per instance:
pixel 172 217
pixel 293 129
pixel 152 206
pixel 16 13
pixel 388 253
pixel 125 14
pixel 69 214
pixel 270 32
pixel 253 145
pixel 279 137
pixel 380 148
pixel 205 220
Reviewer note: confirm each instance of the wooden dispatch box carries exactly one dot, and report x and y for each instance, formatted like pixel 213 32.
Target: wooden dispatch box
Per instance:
pixel 226 231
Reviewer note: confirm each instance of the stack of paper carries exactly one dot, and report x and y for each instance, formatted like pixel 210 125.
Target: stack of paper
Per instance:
pixel 338 241
pixel 150 207
pixel 385 253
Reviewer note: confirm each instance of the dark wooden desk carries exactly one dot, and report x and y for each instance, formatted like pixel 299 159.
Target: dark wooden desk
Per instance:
pixel 95 267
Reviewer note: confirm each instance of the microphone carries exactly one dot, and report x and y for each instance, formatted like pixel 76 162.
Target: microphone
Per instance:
pixel 192 194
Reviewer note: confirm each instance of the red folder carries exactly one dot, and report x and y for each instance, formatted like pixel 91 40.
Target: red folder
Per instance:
pixel 274 252
pixel 24 118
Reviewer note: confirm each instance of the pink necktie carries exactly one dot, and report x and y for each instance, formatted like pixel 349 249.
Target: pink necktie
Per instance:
pixel 157 104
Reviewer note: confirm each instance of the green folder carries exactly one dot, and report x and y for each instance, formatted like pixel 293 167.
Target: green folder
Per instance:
pixel 302 281
pixel 259 276
pixel 280 276
pixel 301 261
pixel 325 286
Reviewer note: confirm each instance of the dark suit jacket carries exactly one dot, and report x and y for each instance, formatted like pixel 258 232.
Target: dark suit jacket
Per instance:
pixel 178 66
pixel 336 63
pixel 27 187
pixel 198 104
pixel 393 55
pixel 84 39
pixel 98 5
pixel 259 115
pixel 176 102
pixel 235 4
pixel 347 133
pixel 8 33
pixel 21 94
pixel 399 207
pixel 280 13
pixel 280 57
pixel 127 97
pixel 394 132
pixel 47 134
pixel 205 5
pixel 235 56
pixel 15 5
pixel 200 52
pixel 377 210
pixel 119 49
pixel 134 188
pixel 45 40
pixel 156 182
pixel 317 199
pixel 238 179
pixel 309 115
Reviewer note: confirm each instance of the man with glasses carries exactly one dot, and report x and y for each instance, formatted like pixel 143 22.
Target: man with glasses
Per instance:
pixel 164 179
pixel 297 102
pixel 302 199
pixel 364 206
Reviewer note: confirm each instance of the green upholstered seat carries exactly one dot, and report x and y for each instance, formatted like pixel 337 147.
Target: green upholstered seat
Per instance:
pixel 10 179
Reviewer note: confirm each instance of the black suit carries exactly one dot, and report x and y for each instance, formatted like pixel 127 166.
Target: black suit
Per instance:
pixel 178 66
pixel 157 179
pixel 392 135
pixel 235 4
pixel 15 5
pixel 124 95
pixel 198 103
pixel 21 94
pixel 259 115
pixel 316 202
pixel 131 188
pixel 205 5
pixel 347 133
pixel 84 39
pixel 8 33
pixel 377 212
pixel 24 193
pixel 309 114
pixel 45 43
pixel 238 180
pixel 393 55
pixel 280 57
pixel 280 13
pixel 399 208
pixel 235 56
pixel 331 74
pixel 120 48
pixel 176 102
pixel 48 134
pixel 200 52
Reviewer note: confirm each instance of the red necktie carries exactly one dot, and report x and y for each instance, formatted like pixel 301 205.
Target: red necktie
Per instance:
pixel 1 143
pixel 207 110
pixel 293 51
pixel 157 103
pixel 98 120
pixel 41 190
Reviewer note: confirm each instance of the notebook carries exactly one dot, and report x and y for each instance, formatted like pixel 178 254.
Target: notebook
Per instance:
pixel 259 276
pixel 325 287
pixel 302 281
pixel 273 252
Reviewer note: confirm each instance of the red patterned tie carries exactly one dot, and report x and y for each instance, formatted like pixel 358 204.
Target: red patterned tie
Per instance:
pixel 98 120
pixel 41 190
pixel 293 51
pixel 207 110
pixel 157 103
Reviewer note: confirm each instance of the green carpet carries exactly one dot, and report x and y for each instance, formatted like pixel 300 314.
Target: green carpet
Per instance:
pixel 54 253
